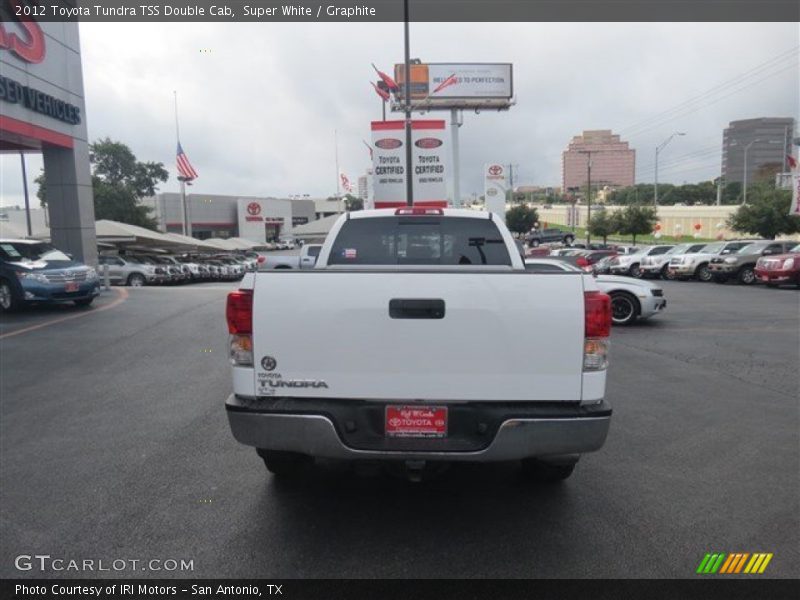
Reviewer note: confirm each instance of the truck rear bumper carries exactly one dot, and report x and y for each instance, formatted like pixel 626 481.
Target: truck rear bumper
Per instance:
pixel 514 437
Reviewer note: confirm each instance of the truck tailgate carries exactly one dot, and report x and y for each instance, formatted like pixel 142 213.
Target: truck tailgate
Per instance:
pixel 503 337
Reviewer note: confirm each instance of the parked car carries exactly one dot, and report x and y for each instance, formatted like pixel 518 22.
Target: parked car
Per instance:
pixel 779 269
pixel 657 265
pixel 631 299
pixel 687 266
pixel 35 271
pixel 127 270
pixel 741 264
pixel 549 235
pixel 305 260
pixel 236 268
pixel 179 272
pixel 408 389
pixel 167 273
pixel 629 264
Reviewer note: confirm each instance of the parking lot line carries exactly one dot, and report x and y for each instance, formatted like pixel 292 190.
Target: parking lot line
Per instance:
pixel 122 295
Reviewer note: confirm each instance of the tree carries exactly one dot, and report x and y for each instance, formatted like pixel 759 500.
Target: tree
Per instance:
pixel 603 224
pixel 119 182
pixel 352 203
pixel 520 219
pixel 636 220
pixel 766 213
pixel 41 190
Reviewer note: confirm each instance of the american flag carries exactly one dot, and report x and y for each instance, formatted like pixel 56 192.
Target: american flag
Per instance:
pixel 185 169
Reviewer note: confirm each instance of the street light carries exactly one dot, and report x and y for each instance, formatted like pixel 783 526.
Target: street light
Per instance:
pixel 588 193
pixel 658 151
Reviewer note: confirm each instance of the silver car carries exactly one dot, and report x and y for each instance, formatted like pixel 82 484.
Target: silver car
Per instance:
pixel 629 264
pixel 658 265
pixel 126 270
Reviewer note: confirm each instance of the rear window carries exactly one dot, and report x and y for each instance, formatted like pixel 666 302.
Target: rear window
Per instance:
pixel 419 241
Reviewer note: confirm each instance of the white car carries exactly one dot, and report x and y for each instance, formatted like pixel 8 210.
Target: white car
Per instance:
pixel 658 265
pixel 630 264
pixel 631 299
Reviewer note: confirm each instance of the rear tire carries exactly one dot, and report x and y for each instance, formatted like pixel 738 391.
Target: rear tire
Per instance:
pixel 538 470
pixel 635 271
pixel 284 464
pixel 665 273
pixel 624 308
pixel 568 239
pixel 534 243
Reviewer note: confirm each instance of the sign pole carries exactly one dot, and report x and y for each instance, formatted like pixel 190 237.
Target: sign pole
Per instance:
pixel 184 228
pixel 407 95
pixel 454 127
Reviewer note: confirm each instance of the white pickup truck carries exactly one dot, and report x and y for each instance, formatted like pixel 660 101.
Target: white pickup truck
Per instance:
pixel 305 260
pixel 409 341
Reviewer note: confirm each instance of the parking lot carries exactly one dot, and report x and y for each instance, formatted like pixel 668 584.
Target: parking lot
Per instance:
pixel 115 444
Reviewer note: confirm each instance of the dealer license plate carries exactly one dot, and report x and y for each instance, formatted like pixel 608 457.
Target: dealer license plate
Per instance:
pixel 70 286
pixel 416 421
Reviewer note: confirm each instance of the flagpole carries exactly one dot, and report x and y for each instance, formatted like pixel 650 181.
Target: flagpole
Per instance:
pixel 336 154
pixel 184 224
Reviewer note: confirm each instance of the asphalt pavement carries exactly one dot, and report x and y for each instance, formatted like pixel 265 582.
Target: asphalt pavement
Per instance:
pixel 114 444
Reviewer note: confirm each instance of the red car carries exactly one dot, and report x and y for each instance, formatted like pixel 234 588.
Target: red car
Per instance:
pixel 780 268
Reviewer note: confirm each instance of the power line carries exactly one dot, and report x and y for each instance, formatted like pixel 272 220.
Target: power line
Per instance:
pixel 667 115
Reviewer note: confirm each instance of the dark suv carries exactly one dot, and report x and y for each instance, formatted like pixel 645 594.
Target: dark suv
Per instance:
pixel 550 235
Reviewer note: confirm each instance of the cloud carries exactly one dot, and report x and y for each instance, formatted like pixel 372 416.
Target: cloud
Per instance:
pixel 258 108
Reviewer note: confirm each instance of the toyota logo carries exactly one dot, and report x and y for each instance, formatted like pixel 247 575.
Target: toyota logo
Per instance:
pixel 495 170
pixel 254 208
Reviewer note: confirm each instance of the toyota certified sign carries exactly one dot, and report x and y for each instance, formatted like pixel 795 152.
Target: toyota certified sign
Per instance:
pixel 254 209
pixel 494 189
pixel 495 170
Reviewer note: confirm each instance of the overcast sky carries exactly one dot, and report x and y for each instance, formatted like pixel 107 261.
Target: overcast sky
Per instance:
pixel 258 110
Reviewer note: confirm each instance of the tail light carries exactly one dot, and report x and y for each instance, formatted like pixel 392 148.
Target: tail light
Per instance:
pixel 582 261
pixel 239 314
pixel 597 328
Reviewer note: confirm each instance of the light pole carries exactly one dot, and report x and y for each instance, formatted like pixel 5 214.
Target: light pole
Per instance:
pixel 588 154
pixel 659 148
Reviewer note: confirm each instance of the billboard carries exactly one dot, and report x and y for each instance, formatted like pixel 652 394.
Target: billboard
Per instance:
pixel 494 189
pixel 457 85
pixel 430 168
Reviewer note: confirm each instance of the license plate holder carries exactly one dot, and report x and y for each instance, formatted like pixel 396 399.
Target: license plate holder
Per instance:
pixel 416 421
pixel 70 287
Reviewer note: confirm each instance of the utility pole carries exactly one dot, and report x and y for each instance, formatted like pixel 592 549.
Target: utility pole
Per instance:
pixel 407 98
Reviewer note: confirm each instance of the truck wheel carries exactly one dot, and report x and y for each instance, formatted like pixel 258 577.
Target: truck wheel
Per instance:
pixel 538 470
pixel 136 280
pixel 8 300
pixel 702 273
pixel 747 276
pixel 665 273
pixel 534 243
pixel 634 270
pixel 568 239
pixel 624 308
pixel 284 464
